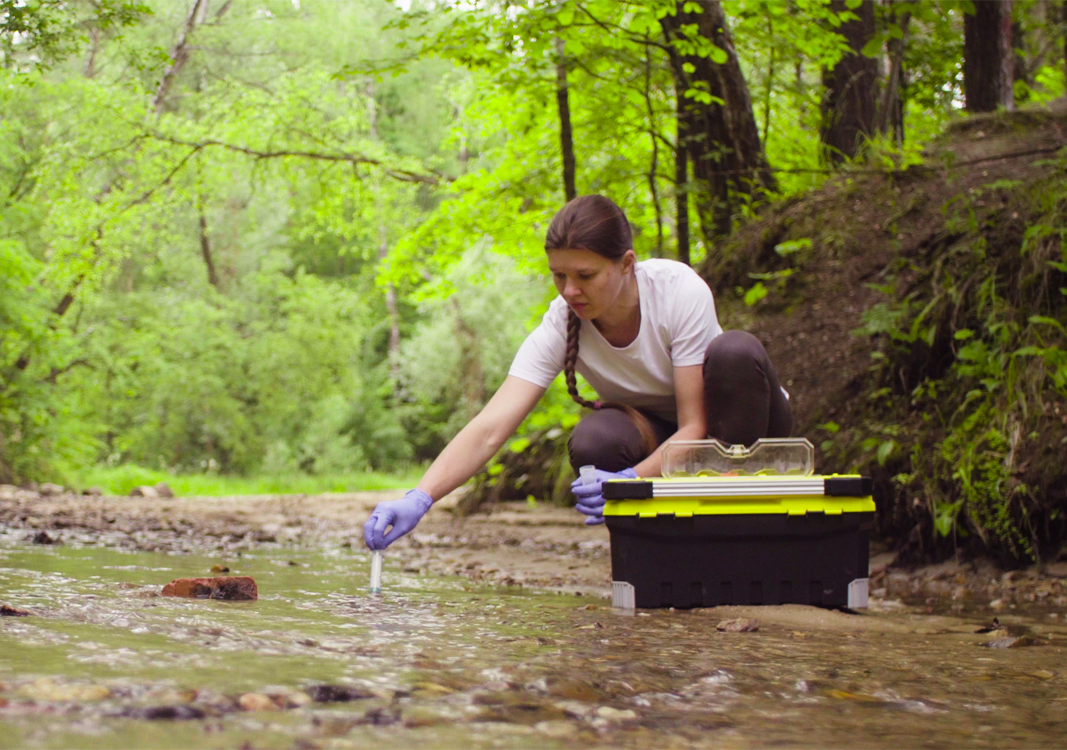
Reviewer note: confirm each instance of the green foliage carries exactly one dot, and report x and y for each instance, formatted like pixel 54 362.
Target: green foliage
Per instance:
pixel 120 479
pixel 35 33
pixel 205 263
pixel 115 344
pixel 992 309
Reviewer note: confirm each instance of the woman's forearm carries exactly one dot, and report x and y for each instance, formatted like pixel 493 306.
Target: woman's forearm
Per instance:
pixel 476 443
pixel 461 459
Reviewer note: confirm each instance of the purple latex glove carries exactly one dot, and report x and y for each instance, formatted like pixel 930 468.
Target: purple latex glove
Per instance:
pixel 402 515
pixel 590 496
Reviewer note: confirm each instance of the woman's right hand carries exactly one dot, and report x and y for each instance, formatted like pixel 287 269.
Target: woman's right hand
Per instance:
pixel 403 515
pixel 590 497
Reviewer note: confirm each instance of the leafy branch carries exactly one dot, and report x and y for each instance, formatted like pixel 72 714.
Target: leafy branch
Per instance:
pixel 403 175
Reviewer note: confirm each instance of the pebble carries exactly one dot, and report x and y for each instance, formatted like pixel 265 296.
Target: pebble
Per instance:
pixel 48 489
pixel 336 694
pixel 256 702
pixel 171 695
pixel 47 690
pixel 224 588
pixel 998 605
pixel 430 688
pixel 421 716
pixel 572 689
pixel 164 713
pixel 146 491
pixel 615 714
pixel 380 717
pixel 287 698
pixel 1019 642
pixel 574 708
pixel 739 625
pixel 556 728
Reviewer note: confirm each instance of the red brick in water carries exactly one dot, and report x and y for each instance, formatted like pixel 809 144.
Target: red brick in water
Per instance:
pixel 225 588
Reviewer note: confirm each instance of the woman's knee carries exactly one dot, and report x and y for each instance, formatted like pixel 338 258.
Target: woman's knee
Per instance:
pixel 607 439
pixel 734 352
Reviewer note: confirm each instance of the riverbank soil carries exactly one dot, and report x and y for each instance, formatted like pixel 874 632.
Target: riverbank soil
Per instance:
pixel 916 317
pixel 515 544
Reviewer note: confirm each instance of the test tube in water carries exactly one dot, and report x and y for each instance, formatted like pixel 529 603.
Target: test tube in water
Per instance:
pixel 376 571
pixel 588 474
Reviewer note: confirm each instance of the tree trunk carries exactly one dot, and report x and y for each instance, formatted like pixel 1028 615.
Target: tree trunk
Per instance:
pixel 681 178
pixel 988 57
pixel 653 167
pixel 740 119
pixel 722 138
pixel 850 102
pixel 769 88
pixel 180 53
pixel 891 110
pixel 391 307
pixel 205 249
pixel 1020 71
pixel 473 376
pixel 565 135
pixel 94 48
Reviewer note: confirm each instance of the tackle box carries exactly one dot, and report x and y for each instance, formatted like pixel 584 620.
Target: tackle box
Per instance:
pixel 705 541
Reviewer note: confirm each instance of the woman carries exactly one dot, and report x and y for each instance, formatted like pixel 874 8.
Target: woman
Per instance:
pixel 646 337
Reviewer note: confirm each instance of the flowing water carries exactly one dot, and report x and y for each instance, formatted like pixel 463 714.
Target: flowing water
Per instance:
pixel 105 662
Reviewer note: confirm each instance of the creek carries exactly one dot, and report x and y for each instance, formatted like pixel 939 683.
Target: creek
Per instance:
pixel 434 662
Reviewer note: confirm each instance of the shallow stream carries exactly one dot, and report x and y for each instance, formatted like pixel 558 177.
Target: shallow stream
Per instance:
pixel 103 661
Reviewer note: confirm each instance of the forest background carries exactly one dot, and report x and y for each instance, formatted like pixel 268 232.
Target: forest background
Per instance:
pixel 299 241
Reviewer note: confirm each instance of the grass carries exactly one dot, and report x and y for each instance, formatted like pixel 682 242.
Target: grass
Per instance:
pixel 119 480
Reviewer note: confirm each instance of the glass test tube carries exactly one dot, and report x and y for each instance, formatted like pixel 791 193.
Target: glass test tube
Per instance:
pixel 376 571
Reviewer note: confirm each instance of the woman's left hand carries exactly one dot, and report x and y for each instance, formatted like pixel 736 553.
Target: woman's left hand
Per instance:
pixel 590 496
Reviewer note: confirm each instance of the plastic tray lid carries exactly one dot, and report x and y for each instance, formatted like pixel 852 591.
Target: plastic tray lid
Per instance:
pixel 711 458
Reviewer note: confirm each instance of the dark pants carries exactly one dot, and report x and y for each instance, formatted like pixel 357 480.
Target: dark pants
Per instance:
pixel 742 403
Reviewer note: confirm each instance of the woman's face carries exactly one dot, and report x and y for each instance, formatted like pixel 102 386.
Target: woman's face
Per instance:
pixel 588 282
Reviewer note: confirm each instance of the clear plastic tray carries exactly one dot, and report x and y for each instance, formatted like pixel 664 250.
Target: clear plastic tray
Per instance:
pixel 710 458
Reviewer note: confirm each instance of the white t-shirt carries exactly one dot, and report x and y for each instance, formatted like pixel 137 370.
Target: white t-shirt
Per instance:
pixel 678 322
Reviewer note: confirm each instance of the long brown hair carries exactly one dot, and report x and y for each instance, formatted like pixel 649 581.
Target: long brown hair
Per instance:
pixel 594 223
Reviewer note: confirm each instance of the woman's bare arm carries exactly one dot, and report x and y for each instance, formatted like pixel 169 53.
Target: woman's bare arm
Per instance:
pixel 476 443
pixel 692 424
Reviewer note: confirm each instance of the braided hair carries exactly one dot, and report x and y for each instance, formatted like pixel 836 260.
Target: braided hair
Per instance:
pixel 595 223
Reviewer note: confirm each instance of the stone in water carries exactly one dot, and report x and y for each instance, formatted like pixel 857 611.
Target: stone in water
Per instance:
pixel 223 588
pixel 740 625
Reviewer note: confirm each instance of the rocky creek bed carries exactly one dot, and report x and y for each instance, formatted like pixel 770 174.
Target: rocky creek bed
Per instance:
pixel 493 631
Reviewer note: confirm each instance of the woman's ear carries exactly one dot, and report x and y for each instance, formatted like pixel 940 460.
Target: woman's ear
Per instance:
pixel 629 258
